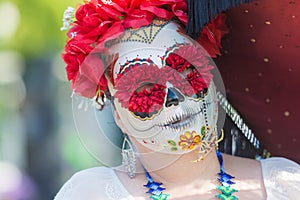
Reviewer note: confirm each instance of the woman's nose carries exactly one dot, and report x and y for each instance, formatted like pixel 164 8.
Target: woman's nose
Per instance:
pixel 173 97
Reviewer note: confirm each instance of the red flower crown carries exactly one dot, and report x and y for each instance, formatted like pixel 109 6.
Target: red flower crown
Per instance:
pixel 98 21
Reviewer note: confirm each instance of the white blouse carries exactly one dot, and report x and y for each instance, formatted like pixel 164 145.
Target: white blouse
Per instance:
pixel 281 178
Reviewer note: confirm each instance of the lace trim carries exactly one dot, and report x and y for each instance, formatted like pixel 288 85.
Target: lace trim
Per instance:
pixel 112 192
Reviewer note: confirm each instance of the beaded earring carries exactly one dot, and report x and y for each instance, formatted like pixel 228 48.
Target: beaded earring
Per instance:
pixel 128 157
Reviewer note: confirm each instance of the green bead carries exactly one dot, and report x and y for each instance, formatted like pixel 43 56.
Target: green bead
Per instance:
pixel 227 191
pixel 203 131
pixel 159 197
pixel 174 148
pixel 172 142
pixel 224 197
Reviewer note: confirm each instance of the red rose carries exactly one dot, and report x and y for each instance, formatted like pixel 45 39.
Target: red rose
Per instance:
pixel 86 20
pixel 85 10
pixel 75 46
pixel 210 37
pixel 138 18
pixel 90 76
pixel 72 65
pixel 116 29
pixel 112 12
pixel 75 53
pixel 156 8
pixel 180 11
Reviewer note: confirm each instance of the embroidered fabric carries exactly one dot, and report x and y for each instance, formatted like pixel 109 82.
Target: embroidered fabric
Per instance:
pixel 281 179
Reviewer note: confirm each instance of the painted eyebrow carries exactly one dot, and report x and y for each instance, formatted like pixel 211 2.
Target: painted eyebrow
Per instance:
pixel 133 62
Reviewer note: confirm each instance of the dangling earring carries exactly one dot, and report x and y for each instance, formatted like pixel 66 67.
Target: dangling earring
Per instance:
pixel 128 157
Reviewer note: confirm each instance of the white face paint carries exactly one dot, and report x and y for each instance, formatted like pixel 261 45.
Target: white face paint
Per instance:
pixel 156 97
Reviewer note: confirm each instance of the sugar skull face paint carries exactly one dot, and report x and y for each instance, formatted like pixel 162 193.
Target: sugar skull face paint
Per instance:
pixel 164 94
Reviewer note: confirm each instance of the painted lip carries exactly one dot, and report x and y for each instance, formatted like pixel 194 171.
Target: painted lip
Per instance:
pixel 182 120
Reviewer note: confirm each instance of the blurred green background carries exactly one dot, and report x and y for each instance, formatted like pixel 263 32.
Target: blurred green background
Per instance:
pixel 39 148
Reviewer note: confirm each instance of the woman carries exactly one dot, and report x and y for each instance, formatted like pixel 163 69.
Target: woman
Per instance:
pixel 161 87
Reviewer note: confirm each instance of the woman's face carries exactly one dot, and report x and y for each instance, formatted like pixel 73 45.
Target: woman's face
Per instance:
pixel 164 94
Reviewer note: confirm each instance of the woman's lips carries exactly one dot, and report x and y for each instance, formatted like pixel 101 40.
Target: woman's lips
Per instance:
pixel 182 120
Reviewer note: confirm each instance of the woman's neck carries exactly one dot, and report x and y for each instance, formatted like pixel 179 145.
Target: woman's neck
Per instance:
pixel 183 170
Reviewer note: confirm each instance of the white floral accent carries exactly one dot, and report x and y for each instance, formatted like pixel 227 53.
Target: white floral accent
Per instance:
pixel 68 18
pixel 109 2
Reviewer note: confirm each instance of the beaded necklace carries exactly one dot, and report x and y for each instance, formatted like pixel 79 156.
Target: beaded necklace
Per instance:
pixel 155 189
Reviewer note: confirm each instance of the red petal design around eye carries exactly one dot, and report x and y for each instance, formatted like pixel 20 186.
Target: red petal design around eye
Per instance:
pixel 188 56
pixel 147 99
pixel 197 81
pixel 177 80
pixel 177 62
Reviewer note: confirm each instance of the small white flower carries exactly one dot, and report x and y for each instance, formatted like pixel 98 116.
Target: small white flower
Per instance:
pixel 73 34
pixel 109 2
pixel 68 18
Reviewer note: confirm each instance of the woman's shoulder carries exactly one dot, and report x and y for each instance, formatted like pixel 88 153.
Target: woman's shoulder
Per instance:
pixel 281 178
pixel 93 183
